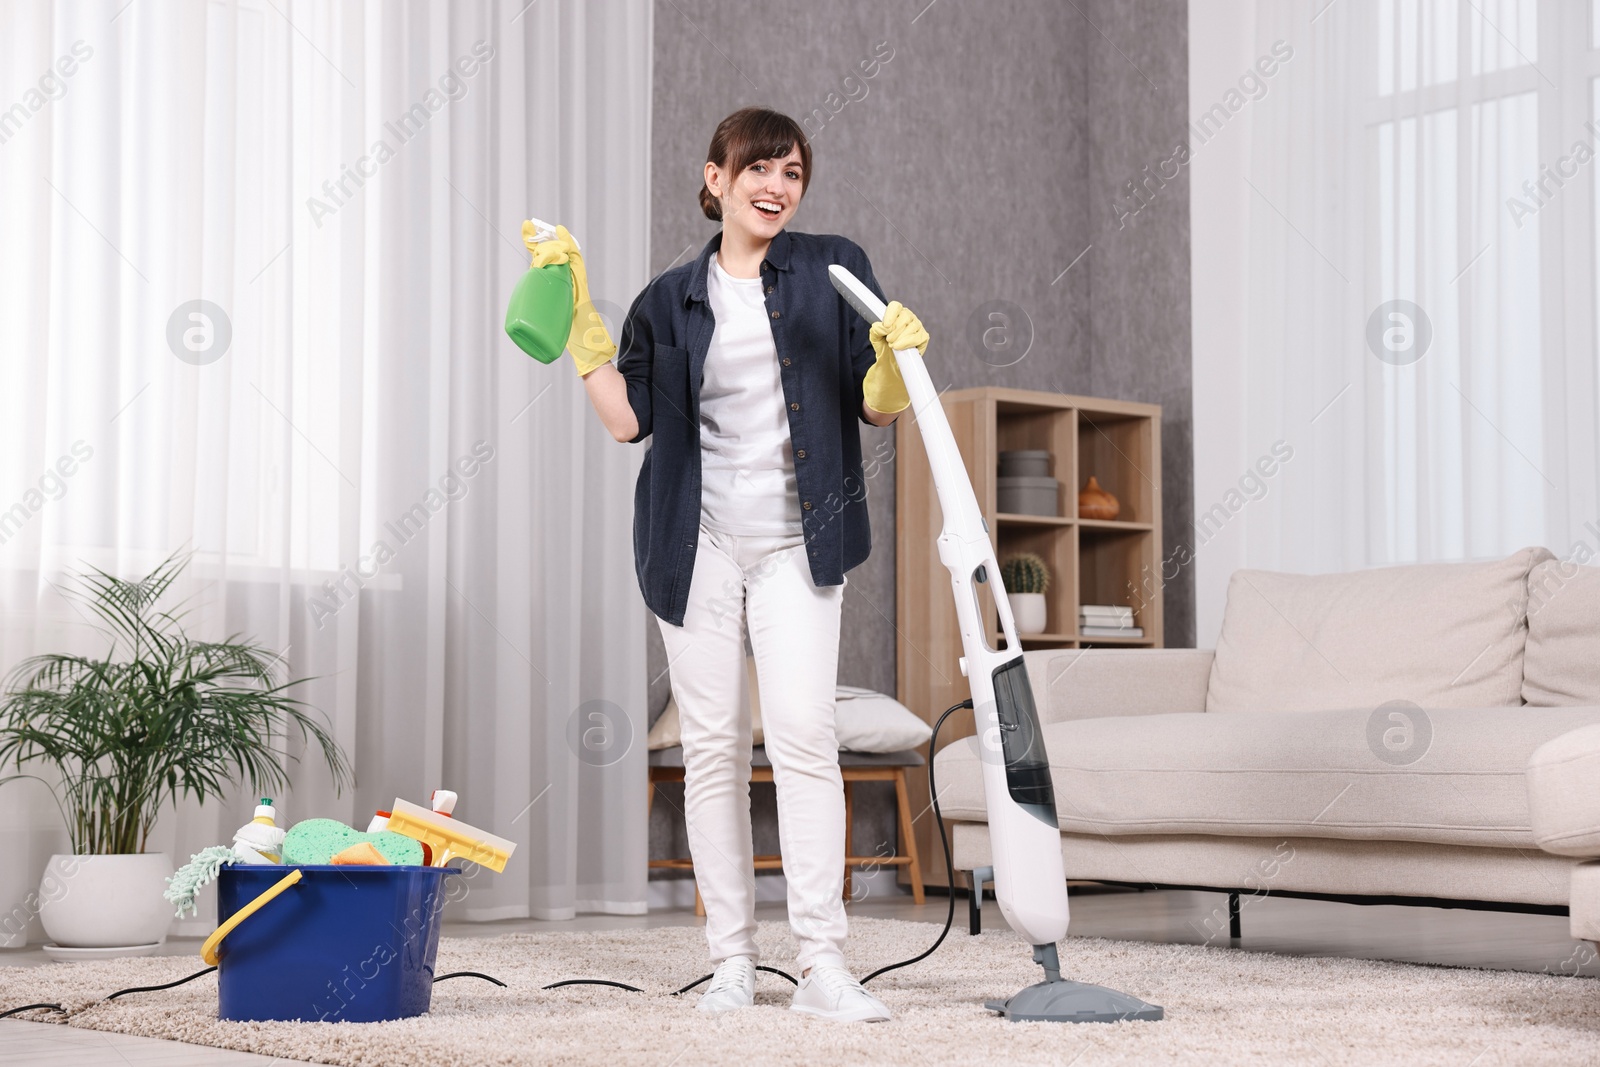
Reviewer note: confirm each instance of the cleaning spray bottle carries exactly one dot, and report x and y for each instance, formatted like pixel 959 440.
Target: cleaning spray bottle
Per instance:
pixel 260 841
pixel 539 317
pixel 443 803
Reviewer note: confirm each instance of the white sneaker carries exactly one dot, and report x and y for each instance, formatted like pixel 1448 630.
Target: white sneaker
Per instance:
pixel 732 986
pixel 831 993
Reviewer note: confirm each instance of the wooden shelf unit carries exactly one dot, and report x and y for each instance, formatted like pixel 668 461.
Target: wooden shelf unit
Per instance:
pixel 1091 561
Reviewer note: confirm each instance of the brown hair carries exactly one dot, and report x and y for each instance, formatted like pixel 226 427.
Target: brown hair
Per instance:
pixel 747 135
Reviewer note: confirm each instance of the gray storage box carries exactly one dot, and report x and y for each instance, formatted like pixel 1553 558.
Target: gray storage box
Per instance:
pixel 1028 496
pixel 1025 463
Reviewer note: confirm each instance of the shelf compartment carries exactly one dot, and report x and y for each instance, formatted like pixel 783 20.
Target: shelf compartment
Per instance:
pixel 1116 570
pixel 1057 545
pixel 1119 451
pixel 1024 427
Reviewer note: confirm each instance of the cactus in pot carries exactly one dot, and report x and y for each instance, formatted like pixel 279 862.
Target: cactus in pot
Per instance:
pixel 1026 577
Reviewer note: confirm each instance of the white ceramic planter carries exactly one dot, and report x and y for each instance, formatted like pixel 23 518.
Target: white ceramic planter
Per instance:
pixel 1028 612
pixel 106 901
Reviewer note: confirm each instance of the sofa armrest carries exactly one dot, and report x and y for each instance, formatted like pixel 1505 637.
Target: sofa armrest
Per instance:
pixel 1099 682
pixel 1563 804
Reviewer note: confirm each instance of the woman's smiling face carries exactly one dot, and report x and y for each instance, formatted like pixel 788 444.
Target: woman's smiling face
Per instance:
pixel 761 200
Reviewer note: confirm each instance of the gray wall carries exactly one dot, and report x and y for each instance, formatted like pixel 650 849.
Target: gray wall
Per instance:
pixel 982 159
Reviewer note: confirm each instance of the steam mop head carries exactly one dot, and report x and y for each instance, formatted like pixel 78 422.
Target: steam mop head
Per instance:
pixel 449 838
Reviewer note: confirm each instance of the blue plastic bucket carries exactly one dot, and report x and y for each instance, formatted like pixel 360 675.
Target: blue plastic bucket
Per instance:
pixel 344 944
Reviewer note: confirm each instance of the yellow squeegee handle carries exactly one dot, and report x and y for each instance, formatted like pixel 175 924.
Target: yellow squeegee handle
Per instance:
pixel 208 951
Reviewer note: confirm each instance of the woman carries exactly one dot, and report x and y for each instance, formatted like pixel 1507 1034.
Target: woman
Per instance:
pixel 749 371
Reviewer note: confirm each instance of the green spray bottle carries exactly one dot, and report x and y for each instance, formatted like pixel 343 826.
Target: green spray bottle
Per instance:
pixel 539 317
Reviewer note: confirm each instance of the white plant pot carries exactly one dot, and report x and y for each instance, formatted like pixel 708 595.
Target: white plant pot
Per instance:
pixel 106 901
pixel 1028 612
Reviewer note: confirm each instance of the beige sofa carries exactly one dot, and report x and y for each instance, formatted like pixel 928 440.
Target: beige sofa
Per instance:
pixel 1364 736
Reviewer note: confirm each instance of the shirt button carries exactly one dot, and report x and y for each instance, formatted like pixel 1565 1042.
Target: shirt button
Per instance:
pixel 794 407
pixel 786 363
pixel 806 504
pixel 777 314
pixel 800 454
pixel 772 289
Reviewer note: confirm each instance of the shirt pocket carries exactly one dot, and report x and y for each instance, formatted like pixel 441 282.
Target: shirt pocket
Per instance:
pixel 669 384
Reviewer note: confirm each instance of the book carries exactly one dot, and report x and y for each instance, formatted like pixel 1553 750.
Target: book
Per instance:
pixel 1106 611
pixel 1110 631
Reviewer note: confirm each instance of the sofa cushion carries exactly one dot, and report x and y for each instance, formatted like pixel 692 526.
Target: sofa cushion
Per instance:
pixel 1339 774
pixel 1562 665
pixel 1093 682
pixel 1442 635
pixel 1563 798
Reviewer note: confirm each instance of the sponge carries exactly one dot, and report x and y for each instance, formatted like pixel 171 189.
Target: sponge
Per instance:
pixel 317 841
pixel 362 855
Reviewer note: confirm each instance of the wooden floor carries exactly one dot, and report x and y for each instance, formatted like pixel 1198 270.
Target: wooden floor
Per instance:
pixel 1294 927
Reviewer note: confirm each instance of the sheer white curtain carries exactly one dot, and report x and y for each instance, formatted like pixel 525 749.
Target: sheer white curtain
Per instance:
pixel 369 475
pixel 1436 153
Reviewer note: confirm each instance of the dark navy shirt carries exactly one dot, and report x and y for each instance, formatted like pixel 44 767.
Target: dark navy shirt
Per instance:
pixel 824 352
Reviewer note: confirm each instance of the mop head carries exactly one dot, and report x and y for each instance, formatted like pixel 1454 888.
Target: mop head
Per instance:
pixel 186 882
pixel 316 841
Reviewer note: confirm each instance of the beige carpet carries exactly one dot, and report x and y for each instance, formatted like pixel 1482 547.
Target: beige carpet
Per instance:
pixel 1224 1006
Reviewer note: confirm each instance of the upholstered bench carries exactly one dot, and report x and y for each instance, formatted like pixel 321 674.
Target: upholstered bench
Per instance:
pixel 666 765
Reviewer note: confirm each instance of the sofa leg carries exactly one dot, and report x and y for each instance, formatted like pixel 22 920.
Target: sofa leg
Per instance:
pixel 977 877
pixel 1234 930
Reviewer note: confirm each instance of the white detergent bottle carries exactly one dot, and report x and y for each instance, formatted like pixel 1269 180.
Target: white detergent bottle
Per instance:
pixel 260 841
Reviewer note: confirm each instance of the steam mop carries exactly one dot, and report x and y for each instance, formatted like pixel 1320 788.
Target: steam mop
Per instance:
pixel 1029 879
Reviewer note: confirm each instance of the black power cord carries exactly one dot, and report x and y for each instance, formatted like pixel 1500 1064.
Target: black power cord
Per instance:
pixel 470 974
pixel 949 861
pixel 949 921
pixel 112 996
pixel 208 970
pixel 33 1007
pixel 594 981
pixel 158 988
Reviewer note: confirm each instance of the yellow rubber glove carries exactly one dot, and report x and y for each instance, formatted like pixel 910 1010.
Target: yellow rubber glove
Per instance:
pixel 590 342
pixel 883 387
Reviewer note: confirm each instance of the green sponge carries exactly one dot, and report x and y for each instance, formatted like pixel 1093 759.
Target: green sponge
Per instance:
pixel 316 841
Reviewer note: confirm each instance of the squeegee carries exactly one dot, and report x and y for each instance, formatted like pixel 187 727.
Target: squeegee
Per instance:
pixel 448 839
pixel 1030 881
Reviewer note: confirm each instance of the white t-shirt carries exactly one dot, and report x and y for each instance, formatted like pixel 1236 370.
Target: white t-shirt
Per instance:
pixel 747 483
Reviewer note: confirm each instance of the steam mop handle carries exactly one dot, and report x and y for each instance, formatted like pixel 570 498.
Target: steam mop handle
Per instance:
pixel 965 544
pixel 956 498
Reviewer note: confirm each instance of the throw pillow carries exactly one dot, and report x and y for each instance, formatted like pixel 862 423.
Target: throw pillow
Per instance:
pixel 865 720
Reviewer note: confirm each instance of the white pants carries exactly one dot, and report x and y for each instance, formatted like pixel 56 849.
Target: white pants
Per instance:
pixel 794 633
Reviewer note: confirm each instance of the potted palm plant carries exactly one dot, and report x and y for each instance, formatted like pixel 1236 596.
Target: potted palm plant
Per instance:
pixel 1027 578
pixel 160 717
